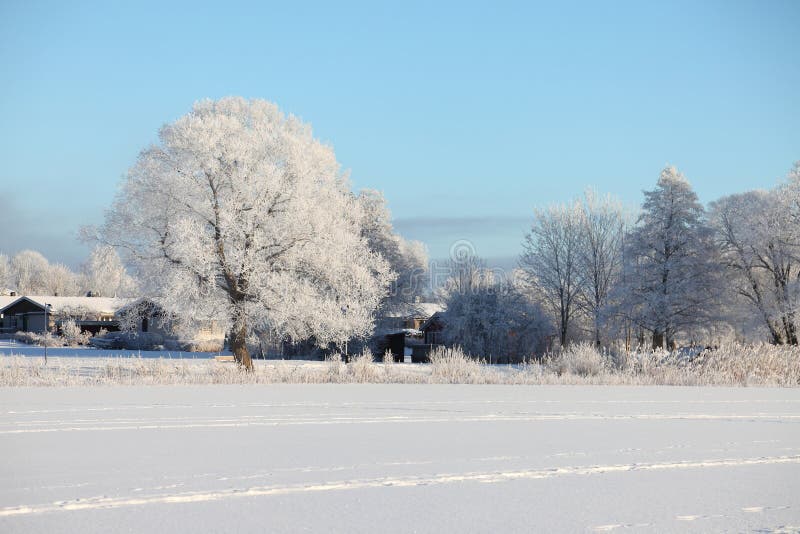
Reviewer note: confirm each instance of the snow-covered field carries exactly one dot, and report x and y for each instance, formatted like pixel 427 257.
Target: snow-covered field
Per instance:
pixel 10 347
pixel 736 365
pixel 399 458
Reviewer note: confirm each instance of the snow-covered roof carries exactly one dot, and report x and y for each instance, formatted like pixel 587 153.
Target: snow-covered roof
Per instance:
pixel 135 302
pixel 435 317
pixel 414 309
pixel 6 300
pixel 107 305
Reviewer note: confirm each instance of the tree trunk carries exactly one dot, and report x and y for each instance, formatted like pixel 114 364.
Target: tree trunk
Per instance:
pixel 239 347
pixel 669 340
pixel 658 339
pixel 597 341
pixel 789 328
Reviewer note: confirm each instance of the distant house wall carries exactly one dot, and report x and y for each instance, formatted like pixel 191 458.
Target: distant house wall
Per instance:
pixel 433 330
pixel 24 316
pixel 36 322
pixel 151 322
pixel 27 313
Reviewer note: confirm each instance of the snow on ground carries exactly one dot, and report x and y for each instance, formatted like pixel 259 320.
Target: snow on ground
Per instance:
pixel 15 348
pixel 399 458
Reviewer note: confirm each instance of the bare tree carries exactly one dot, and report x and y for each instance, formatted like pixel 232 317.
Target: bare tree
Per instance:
pixel 755 231
pixel 550 259
pixel 599 258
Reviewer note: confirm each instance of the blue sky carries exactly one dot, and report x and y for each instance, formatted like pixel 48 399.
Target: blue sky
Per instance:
pixel 466 115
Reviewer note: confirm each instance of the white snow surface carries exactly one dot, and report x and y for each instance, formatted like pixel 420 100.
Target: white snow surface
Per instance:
pixel 399 458
pixel 10 347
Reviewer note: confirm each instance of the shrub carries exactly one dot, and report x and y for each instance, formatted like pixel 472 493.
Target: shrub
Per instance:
pixel 333 363
pixel 582 359
pixel 734 365
pixel 362 368
pixel 452 366
pixel 72 334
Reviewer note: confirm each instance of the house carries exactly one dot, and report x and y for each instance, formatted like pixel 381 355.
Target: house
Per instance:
pixel 147 325
pixel 432 329
pixel 431 335
pixel 408 315
pixel 398 329
pixel 37 313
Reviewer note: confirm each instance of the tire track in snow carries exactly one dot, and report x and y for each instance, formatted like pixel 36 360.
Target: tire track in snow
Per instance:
pixel 257 421
pixel 425 403
pixel 96 503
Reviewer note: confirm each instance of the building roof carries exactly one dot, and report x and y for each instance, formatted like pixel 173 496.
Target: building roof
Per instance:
pixel 432 320
pixel 6 300
pixel 421 310
pixel 107 305
pixel 134 303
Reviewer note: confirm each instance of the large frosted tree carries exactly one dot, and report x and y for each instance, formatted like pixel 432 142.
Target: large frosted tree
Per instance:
pixel 670 261
pixel 239 215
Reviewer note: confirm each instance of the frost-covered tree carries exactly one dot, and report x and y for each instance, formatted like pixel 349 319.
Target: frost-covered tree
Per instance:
pixel 239 215
pixel 671 261
pixel 550 259
pixel 491 318
pixel 407 259
pixel 5 273
pixel 599 258
pixel 60 280
pixel 28 272
pixel 105 275
pixel 757 233
pixel 789 195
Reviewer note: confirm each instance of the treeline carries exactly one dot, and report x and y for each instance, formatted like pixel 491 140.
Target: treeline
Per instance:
pixel 29 273
pixel 677 274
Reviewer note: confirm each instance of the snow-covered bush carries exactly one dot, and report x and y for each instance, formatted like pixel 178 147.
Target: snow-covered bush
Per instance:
pixel 72 334
pixel 362 367
pixel 734 365
pixel 334 367
pixel 491 318
pixel 761 364
pixel 42 340
pixel 452 366
pixel 581 359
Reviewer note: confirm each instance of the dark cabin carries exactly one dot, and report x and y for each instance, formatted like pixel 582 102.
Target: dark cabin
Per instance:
pixel 25 315
pixel 432 330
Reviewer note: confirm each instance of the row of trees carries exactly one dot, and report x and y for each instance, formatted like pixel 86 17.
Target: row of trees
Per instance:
pixel 239 215
pixel 676 272
pixel 29 273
